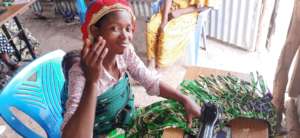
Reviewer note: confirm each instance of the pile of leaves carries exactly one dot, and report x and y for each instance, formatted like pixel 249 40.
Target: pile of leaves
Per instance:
pixel 235 97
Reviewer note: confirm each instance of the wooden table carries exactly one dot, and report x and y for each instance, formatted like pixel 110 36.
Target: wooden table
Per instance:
pixel 11 13
pixel 240 127
pixel 14 10
pixel 193 72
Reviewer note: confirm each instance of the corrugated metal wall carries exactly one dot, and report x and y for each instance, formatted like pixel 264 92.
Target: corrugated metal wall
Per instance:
pixel 141 8
pixel 236 22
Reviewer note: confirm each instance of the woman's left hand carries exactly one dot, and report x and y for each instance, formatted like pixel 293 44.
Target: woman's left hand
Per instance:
pixel 192 110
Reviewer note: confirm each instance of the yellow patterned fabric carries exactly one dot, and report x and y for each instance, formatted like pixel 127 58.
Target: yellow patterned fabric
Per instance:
pixel 206 3
pixel 168 46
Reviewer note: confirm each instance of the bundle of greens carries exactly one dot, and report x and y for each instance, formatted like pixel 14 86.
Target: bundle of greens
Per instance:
pixel 6 3
pixel 235 97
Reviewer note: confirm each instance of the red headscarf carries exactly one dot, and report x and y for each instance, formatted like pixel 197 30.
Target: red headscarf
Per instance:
pixel 97 9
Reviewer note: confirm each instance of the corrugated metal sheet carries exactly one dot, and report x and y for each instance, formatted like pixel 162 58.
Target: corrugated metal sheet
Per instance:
pixel 141 8
pixel 236 22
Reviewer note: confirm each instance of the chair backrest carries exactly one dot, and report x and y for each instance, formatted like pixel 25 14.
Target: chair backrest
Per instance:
pixel 36 91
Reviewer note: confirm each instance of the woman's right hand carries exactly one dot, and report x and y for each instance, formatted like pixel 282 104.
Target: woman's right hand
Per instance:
pixel 173 14
pixel 92 59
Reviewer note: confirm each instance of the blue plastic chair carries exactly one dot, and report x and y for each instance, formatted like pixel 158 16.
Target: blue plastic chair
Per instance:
pixel 36 91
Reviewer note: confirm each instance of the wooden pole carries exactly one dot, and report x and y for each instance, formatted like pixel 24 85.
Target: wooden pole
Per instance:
pixel 285 60
pixel 293 125
pixel 264 23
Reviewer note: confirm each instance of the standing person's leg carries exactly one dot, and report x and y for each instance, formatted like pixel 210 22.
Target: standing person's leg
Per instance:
pixel 152 39
pixel 286 57
pixel 5 49
pixel 6 59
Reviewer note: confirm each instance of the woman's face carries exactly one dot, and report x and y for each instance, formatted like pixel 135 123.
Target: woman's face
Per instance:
pixel 117 30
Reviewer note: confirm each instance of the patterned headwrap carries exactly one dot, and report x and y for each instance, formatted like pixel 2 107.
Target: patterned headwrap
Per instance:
pixel 97 9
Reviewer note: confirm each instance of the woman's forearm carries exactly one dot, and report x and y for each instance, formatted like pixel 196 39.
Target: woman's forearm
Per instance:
pixel 179 12
pixel 186 10
pixel 82 122
pixel 170 93
pixel 191 108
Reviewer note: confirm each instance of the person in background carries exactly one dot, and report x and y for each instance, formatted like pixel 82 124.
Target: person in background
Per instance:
pixel 168 31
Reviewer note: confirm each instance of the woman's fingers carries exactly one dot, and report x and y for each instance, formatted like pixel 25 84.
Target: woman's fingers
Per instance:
pixel 99 47
pixel 190 120
pixel 93 55
pixel 102 56
pixel 99 41
pixel 98 52
pixel 85 49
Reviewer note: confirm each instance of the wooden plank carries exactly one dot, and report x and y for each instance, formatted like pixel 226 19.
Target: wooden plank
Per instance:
pixel 248 128
pixel 14 10
pixel 293 125
pixel 264 23
pixel 173 133
pixel 193 72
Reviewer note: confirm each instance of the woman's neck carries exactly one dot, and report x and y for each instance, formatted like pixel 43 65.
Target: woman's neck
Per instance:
pixel 110 65
pixel 109 61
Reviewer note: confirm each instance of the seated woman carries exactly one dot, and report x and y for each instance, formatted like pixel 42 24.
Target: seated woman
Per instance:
pixel 99 94
pixel 168 32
